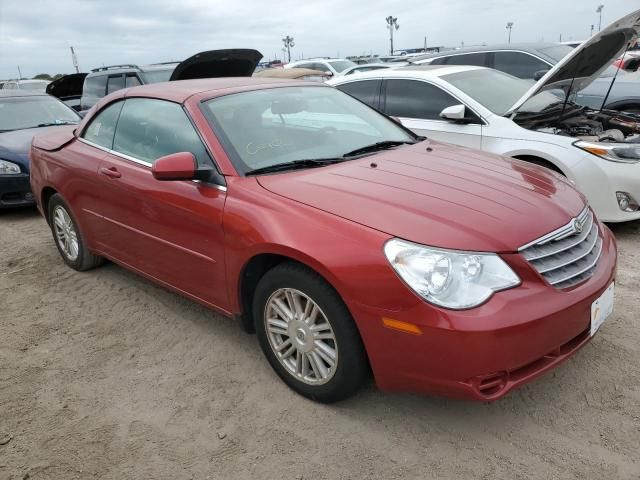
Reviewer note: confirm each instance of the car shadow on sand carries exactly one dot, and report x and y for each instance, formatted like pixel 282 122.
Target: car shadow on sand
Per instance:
pixel 625 230
pixel 18 214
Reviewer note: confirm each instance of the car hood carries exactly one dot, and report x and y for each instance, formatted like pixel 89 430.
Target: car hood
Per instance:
pixel 586 62
pixel 67 86
pixel 448 197
pixel 14 146
pixel 235 62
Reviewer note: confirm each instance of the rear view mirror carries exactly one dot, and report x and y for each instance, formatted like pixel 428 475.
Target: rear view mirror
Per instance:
pixel 539 74
pixel 177 166
pixel 454 112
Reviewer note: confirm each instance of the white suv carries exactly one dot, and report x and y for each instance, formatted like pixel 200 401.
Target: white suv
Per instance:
pixel 482 108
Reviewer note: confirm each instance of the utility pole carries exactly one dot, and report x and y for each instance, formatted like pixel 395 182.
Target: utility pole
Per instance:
pixel 74 59
pixel 392 22
pixel 509 27
pixel 19 73
pixel 288 44
pixel 599 12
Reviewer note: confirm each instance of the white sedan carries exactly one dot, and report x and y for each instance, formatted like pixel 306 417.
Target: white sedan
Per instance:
pixel 490 110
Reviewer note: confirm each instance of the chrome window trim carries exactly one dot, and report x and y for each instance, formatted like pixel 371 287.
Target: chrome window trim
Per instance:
pixel 558 233
pixel 117 154
pixel 140 162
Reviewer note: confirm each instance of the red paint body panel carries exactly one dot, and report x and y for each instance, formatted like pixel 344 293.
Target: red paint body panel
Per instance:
pixel 447 197
pixel 197 238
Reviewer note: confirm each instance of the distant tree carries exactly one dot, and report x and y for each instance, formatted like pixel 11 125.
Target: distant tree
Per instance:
pixel 42 76
pixel 57 76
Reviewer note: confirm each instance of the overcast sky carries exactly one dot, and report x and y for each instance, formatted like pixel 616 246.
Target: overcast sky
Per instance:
pixel 36 34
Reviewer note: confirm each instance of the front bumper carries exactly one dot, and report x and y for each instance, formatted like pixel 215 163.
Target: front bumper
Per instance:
pixel 15 191
pixel 600 179
pixel 483 353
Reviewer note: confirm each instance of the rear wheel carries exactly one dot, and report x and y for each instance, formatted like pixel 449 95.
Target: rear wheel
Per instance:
pixel 307 334
pixel 68 238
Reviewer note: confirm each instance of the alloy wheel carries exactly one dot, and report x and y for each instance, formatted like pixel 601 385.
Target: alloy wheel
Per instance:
pixel 65 231
pixel 301 336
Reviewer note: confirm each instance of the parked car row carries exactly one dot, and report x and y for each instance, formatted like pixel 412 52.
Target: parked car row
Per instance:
pixel 597 149
pixel 27 85
pixel 22 114
pixel 348 240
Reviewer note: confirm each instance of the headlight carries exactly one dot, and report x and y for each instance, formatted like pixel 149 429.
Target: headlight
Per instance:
pixel 450 279
pixel 8 168
pixel 614 152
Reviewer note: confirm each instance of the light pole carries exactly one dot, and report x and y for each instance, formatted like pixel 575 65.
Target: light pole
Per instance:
pixel 509 27
pixel 592 26
pixel 392 22
pixel 288 45
pixel 599 12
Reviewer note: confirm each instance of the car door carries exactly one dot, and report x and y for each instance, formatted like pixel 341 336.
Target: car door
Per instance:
pixel 170 231
pixel 85 157
pixel 417 104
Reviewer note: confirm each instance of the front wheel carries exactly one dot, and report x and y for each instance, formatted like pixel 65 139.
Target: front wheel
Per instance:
pixel 307 334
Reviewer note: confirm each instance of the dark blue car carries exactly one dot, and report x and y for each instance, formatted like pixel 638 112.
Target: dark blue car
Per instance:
pixel 22 115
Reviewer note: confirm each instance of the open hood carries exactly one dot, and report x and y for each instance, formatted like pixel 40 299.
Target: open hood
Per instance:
pixel 235 62
pixel 67 86
pixel 586 62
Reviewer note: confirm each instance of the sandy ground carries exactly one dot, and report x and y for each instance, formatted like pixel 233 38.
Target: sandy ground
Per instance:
pixel 104 375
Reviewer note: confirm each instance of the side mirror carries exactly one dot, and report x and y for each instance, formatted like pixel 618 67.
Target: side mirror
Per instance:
pixel 539 74
pixel 328 73
pixel 454 112
pixel 177 166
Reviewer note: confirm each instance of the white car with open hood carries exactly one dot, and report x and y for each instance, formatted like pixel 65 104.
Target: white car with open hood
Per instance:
pixel 599 150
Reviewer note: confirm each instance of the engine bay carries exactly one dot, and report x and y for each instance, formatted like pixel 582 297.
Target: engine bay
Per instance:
pixel 586 124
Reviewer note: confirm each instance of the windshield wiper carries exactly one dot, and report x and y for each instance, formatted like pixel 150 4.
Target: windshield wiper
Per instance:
pixel 53 124
pixel 295 164
pixel 374 147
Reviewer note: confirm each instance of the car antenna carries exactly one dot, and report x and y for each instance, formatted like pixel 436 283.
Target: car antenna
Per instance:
pixel 613 80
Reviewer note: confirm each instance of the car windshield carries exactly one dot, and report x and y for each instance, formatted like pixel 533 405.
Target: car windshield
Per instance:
pixel 17 113
pixel 273 126
pixel 157 76
pixel 341 65
pixel 498 91
pixel 33 86
pixel 557 52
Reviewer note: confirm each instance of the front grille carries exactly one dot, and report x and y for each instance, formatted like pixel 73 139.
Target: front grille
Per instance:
pixel 568 255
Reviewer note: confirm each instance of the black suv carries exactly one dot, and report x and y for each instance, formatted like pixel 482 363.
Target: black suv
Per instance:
pixel 213 63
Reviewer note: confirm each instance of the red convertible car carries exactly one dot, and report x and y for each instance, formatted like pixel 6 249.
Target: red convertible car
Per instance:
pixel 348 243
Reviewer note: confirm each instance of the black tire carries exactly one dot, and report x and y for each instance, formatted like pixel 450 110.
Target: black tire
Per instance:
pixel 85 260
pixel 351 368
pixel 541 163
